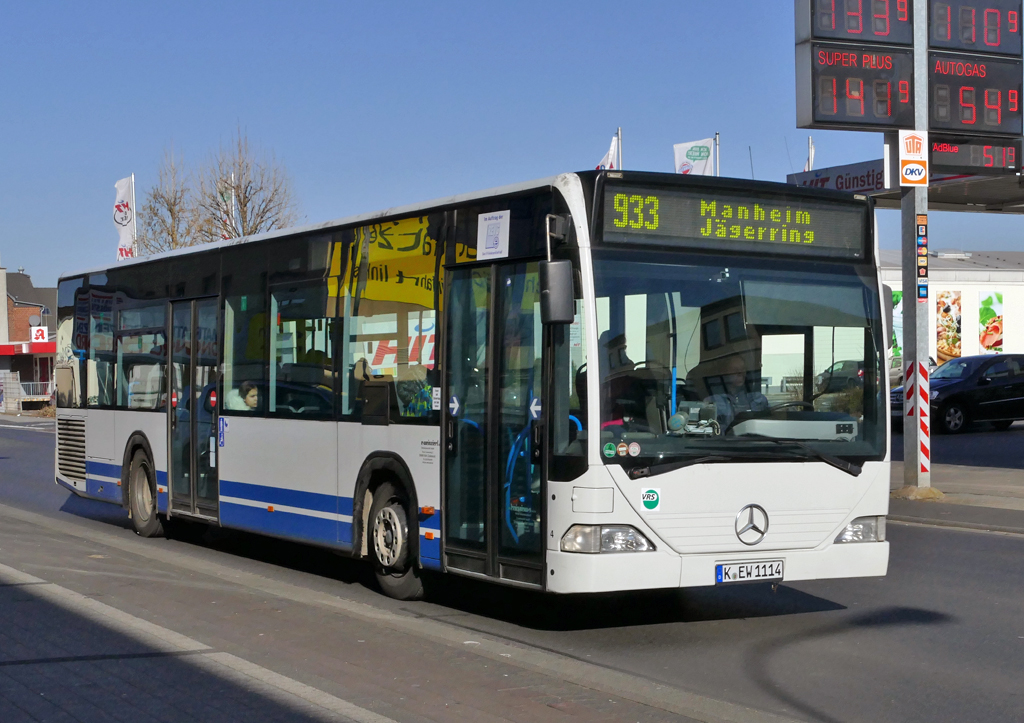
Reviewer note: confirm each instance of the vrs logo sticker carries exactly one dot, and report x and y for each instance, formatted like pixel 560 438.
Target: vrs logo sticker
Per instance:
pixel 651 498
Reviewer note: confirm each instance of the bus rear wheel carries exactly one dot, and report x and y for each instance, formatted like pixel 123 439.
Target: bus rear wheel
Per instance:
pixel 390 545
pixel 142 497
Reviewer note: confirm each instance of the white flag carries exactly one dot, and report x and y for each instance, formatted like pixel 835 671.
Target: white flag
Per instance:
pixel 124 218
pixel 611 158
pixel 695 158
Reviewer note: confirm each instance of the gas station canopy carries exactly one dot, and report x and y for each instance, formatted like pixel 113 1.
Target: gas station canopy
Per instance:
pixel 991 194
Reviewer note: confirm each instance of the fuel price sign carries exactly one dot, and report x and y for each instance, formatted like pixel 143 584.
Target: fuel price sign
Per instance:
pixel 975 94
pixel 854 87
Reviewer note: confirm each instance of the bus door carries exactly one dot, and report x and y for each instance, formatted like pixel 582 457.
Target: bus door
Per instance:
pixel 493 377
pixel 192 415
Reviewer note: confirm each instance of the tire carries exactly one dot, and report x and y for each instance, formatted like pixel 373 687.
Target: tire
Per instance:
pixel 389 545
pixel 142 497
pixel 954 419
pixel 1002 424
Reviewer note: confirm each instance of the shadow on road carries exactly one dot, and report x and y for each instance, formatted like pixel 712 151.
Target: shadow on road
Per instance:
pixel 525 608
pixel 540 611
pixel 96 510
pixel 759 662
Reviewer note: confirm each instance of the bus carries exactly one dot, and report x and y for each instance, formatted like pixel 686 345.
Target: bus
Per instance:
pixel 601 381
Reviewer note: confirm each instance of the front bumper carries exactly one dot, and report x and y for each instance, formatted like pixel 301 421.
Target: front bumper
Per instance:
pixel 576 573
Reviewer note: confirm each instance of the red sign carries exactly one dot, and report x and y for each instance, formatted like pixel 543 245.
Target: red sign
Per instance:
pixel 174 400
pixel 213 398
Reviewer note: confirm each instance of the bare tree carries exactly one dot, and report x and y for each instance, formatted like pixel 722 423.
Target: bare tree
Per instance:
pixel 244 191
pixel 169 217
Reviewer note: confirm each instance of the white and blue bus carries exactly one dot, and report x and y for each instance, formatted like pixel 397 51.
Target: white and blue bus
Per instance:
pixel 595 382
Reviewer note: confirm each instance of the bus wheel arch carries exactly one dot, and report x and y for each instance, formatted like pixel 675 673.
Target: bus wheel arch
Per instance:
pixel 139 487
pixel 388 532
pixel 378 468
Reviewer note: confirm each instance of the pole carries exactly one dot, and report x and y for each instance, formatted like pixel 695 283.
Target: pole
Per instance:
pixel 810 154
pixel 917 420
pixel 718 167
pixel 135 227
pixel 619 145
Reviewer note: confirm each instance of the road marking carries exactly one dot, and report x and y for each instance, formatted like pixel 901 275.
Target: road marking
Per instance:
pixel 230 667
pixel 32 427
pixel 630 686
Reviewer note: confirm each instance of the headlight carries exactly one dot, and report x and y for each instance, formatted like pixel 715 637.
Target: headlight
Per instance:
pixel 863 529
pixel 604 538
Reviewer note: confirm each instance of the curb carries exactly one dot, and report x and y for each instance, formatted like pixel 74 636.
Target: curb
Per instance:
pixel 955 524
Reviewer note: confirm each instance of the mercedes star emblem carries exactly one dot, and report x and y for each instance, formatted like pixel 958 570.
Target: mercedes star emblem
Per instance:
pixel 751 524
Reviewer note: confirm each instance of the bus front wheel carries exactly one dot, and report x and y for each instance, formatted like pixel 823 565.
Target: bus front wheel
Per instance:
pixel 142 497
pixel 390 545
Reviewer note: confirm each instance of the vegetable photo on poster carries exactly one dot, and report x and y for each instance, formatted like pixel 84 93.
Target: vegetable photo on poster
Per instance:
pixel 990 321
pixel 947 325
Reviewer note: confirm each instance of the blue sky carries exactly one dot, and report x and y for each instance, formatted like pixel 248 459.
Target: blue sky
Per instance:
pixel 375 104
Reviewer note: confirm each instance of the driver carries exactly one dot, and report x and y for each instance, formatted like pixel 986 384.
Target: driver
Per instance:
pixel 736 397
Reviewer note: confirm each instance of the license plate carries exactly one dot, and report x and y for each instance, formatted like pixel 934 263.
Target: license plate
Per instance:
pixel 748 571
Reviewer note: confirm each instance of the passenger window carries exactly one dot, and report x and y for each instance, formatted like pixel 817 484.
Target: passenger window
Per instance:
pixel 101 349
pixel 387 293
pixel 301 337
pixel 142 357
pixel 999 370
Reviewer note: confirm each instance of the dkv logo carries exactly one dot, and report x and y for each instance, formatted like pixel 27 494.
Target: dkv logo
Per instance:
pixel 914 172
pixel 651 498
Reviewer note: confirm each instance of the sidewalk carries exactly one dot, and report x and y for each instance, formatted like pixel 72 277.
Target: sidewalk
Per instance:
pixel 986 498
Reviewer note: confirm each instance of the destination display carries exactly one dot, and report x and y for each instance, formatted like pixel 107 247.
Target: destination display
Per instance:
pixel 992 26
pixel 856 87
pixel 977 156
pixel 733 222
pixel 973 94
pixel 862 21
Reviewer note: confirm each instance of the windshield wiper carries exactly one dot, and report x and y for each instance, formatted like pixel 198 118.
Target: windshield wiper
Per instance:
pixel 638 472
pixel 840 464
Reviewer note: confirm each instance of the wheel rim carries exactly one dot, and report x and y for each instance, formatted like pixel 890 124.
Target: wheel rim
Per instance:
pixel 954 418
pixel 143 494
pixel 388 536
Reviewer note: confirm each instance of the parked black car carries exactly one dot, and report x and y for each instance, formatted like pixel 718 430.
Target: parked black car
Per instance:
pixel 970 389
pixel 842 375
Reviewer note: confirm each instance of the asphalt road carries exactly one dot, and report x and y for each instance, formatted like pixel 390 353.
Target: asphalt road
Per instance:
pixel 940 638
pixel 979 446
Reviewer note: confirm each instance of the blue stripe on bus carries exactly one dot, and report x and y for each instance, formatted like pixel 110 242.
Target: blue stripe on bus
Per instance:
pixel 289 498
pixel 286 524
pixel 103 468
pixel 161 502
pixel 103 489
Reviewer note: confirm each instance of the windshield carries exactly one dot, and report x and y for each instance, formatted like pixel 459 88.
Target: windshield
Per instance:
pixel 954 369
pixel 701 355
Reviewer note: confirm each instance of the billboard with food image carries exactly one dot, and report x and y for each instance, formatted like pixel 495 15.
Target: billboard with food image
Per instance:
pixel 947 325
pixel 990 321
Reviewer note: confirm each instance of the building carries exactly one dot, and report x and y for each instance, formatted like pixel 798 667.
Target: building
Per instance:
pixel 27 336
pixel 975 303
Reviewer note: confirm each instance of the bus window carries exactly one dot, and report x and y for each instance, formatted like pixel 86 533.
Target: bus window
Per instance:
pixel 387 294
pixel 141 342
pixel 101 349
pixel 301 338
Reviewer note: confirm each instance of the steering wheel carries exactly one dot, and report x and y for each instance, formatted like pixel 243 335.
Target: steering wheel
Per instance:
pixel 783 405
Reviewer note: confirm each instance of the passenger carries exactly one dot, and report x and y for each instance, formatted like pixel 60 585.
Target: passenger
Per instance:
pixel 736 397
pixel 250 394
pixel 244 399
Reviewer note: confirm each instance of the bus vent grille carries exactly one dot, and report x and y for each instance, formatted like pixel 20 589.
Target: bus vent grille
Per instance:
pixel 71 448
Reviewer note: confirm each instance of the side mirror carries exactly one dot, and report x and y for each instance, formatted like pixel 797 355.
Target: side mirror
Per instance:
pixel 556 298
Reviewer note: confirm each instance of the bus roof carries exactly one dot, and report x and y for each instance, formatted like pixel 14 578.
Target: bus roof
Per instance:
pixel 347 221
